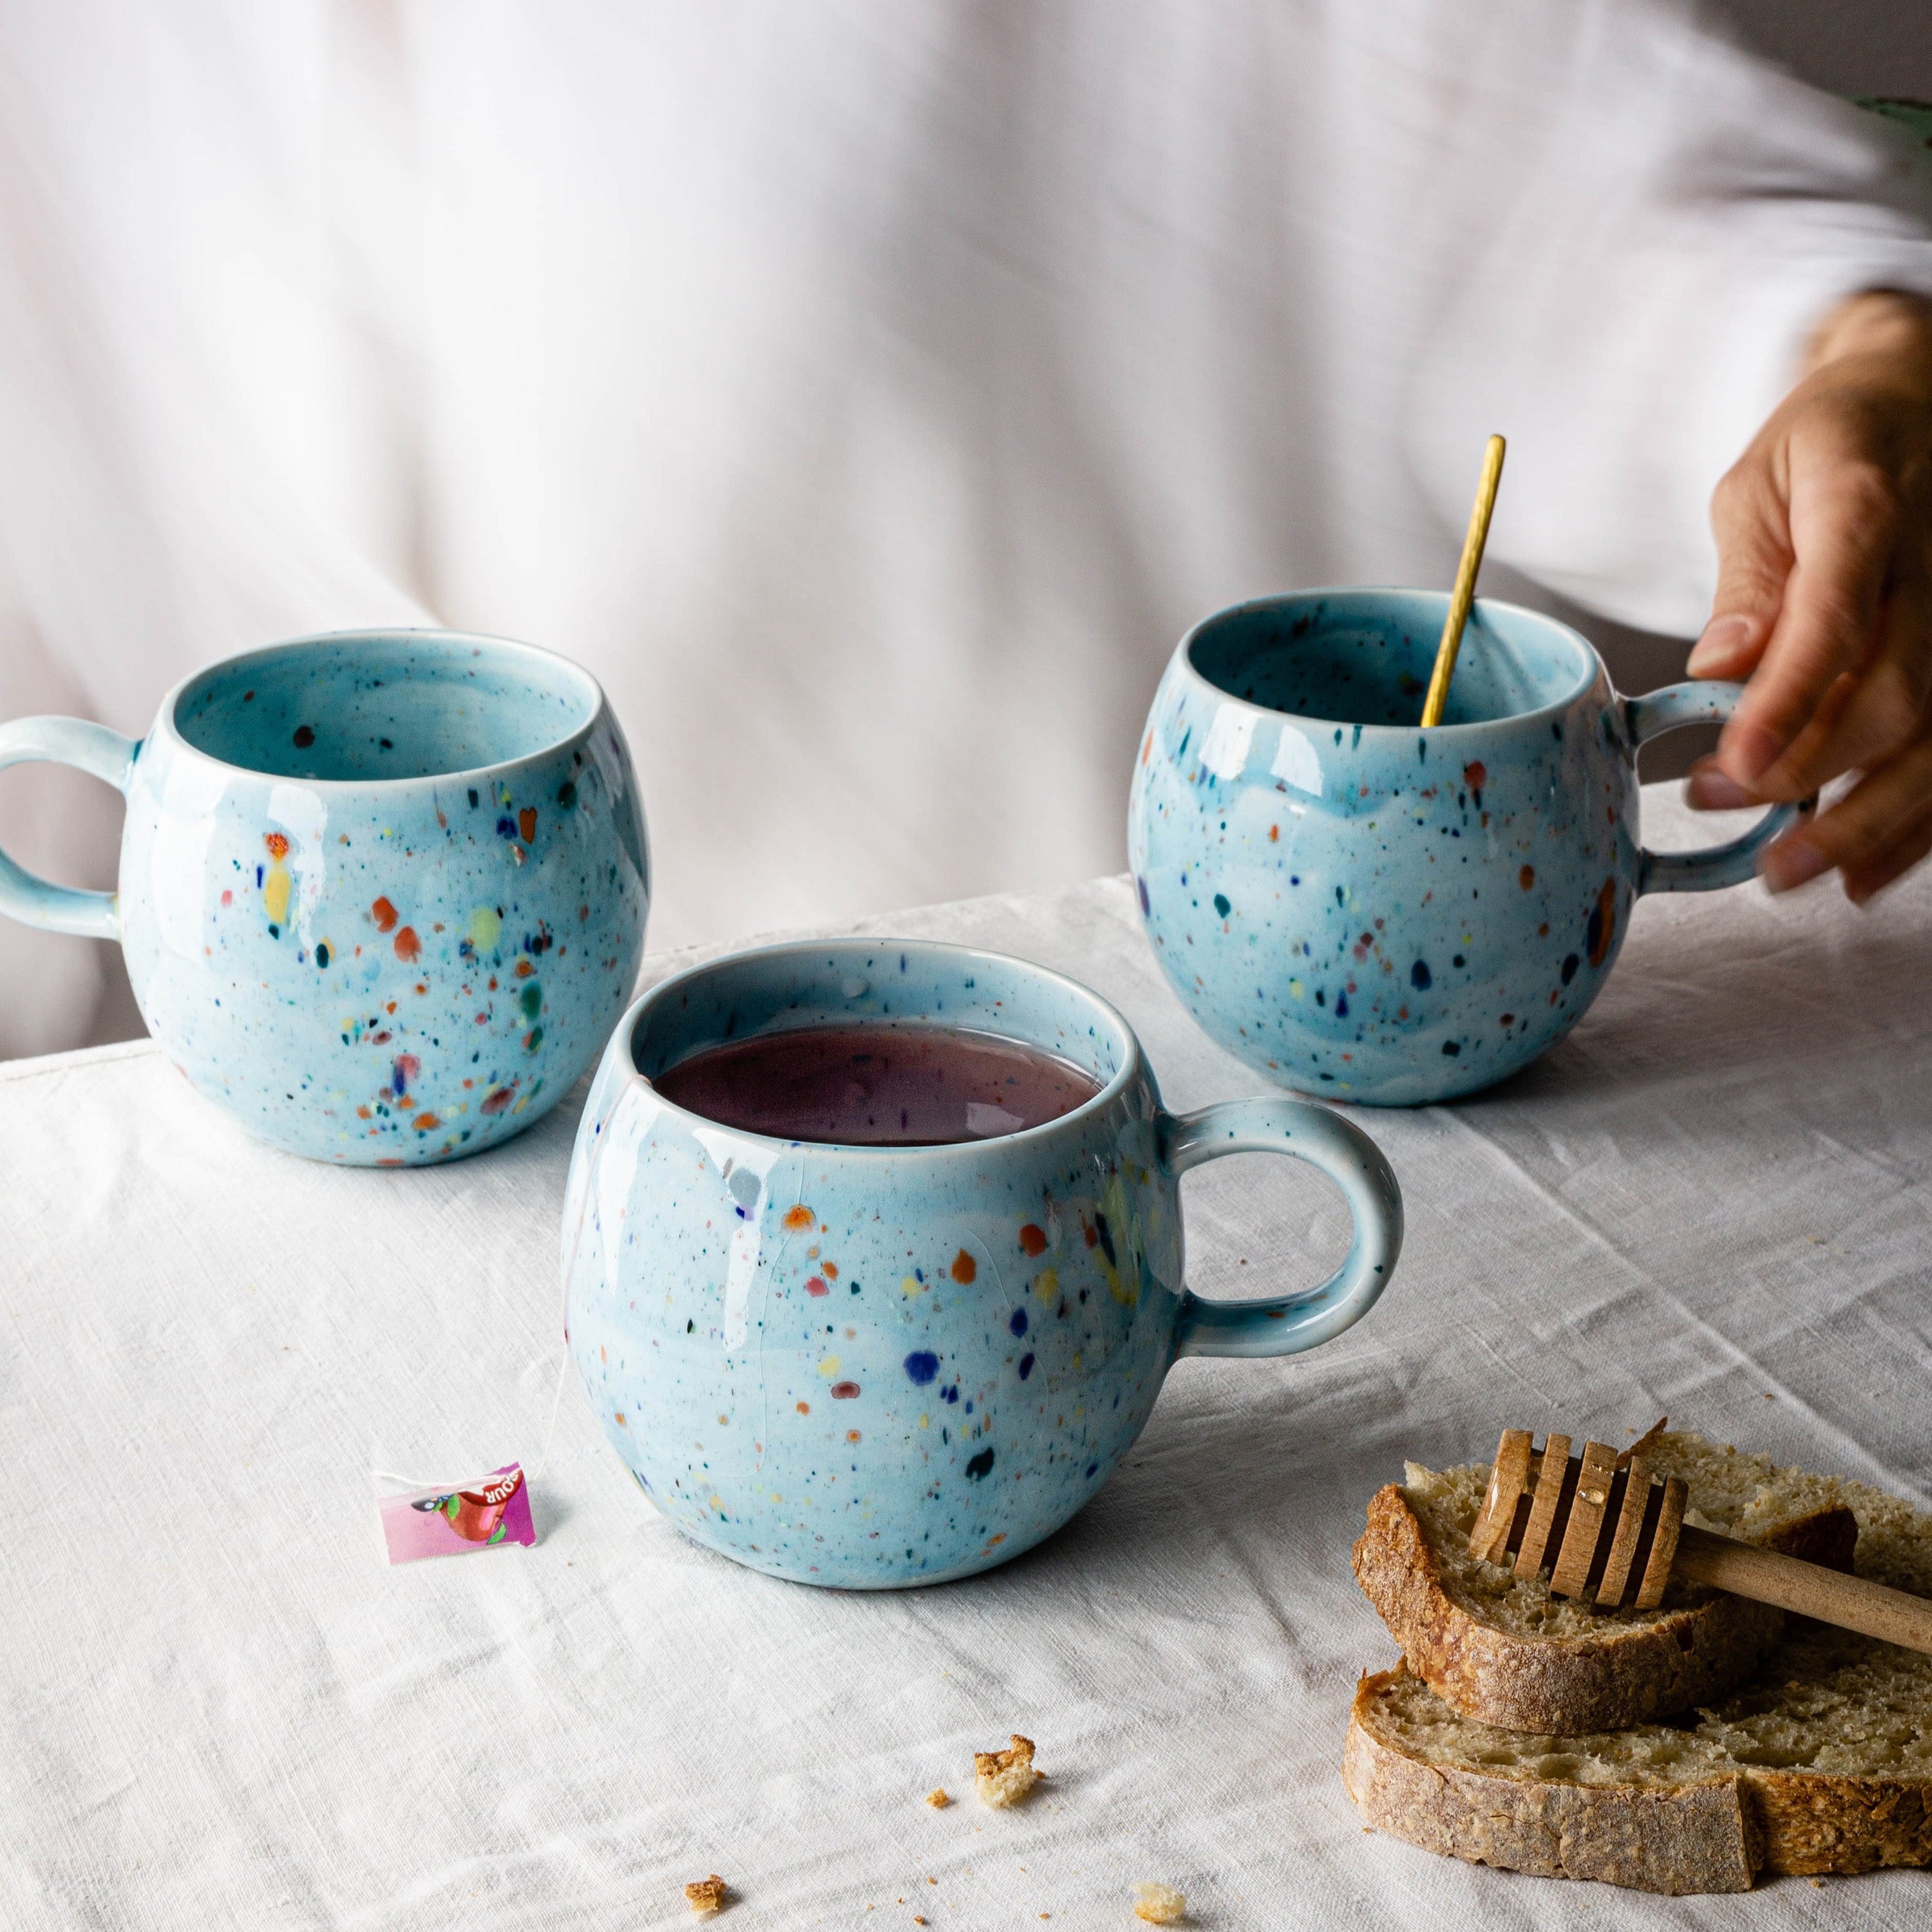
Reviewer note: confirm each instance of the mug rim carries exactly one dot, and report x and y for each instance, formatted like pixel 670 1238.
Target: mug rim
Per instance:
pixel 166 726
pixel 1593 664
pixel 1133 1055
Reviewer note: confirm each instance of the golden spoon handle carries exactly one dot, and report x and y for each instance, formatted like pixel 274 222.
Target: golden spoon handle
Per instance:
pixel 1464 595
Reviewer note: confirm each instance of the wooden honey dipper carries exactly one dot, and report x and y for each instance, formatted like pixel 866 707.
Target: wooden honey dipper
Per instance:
pixel 1616 1528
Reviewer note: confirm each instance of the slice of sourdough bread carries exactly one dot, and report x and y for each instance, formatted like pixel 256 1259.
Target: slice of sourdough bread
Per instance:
pixel 1503 1650
pixel 1822 1763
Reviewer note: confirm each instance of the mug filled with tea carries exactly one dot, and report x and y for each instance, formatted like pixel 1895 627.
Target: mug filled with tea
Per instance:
pixel 383 893
pixel 873 1253
pixel 1368 909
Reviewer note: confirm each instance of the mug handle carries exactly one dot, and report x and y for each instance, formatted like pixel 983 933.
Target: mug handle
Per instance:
pixel 1714 866
pixel 1285 1325
pixel 88 748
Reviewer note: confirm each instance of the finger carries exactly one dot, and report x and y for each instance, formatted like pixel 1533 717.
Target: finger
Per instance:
pixel 1843 519
pixel 1749 519
pixel 1707 788
pixel 1805 748
pixel 1872 875
pixel 1882 707
pixel 1873 817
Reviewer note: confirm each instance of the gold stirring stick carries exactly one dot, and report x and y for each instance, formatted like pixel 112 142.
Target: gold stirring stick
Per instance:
pixel 1464 595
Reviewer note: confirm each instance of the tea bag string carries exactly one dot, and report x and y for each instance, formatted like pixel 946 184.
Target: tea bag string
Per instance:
pixel 530 1475
pixel 556 1405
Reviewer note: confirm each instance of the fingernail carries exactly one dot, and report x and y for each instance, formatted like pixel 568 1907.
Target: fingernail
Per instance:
pixel 1708 789
pixel 1749 750
pixel 1724 641
pixel 1791 862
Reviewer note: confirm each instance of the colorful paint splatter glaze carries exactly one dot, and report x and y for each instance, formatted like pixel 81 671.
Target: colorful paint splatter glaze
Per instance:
pixel 873 1366
pixel 382 894
pixel 1369 911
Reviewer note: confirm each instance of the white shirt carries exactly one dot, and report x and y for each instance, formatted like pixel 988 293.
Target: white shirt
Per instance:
pixel 869 394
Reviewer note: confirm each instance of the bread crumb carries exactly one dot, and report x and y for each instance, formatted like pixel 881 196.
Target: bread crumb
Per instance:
pixel 1004 1777
pixel 707 1895
pixel 938 1798
pixel 1158 1904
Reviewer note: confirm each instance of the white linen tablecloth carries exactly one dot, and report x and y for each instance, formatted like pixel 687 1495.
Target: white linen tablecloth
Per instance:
pixel 218 1707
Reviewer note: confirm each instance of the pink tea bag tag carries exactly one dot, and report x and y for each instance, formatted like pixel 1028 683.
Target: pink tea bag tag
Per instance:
pixel 453 1521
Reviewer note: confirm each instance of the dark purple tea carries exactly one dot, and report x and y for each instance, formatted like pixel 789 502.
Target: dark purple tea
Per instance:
pixel 877 1086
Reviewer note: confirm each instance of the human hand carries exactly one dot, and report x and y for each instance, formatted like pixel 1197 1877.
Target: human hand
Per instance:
pixel 1824 602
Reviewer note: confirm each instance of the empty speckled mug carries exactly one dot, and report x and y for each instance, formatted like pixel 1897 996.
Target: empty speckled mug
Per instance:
pixel 382 894
pixel 1362 909
pixel 877 1366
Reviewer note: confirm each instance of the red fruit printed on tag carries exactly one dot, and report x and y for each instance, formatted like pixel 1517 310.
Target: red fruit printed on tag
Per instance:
pixel 475 1514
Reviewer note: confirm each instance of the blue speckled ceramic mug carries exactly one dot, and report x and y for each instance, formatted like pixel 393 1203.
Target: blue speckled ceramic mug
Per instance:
pixel 872 1366
pixel 381 893
pixel 1364 910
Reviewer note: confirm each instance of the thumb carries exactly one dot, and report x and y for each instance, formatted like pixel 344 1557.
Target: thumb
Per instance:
pixel 1753 527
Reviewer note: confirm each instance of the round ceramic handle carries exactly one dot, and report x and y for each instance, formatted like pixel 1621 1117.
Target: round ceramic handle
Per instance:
pixel 1714 866
pixel 1285 1325
pixel 103 754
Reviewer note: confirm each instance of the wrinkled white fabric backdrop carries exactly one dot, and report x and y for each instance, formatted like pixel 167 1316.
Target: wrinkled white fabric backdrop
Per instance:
pixel 868 393
pixel 217 1707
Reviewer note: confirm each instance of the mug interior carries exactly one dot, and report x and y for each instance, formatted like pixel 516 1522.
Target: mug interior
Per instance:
pixel 892 984
pixel 1363 657
pixel 368 706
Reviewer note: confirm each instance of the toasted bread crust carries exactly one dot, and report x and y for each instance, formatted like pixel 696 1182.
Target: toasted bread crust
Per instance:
pixel 1696 1838
pixel 1813 1822
pixel 1629 1673
pixel 1706 1836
